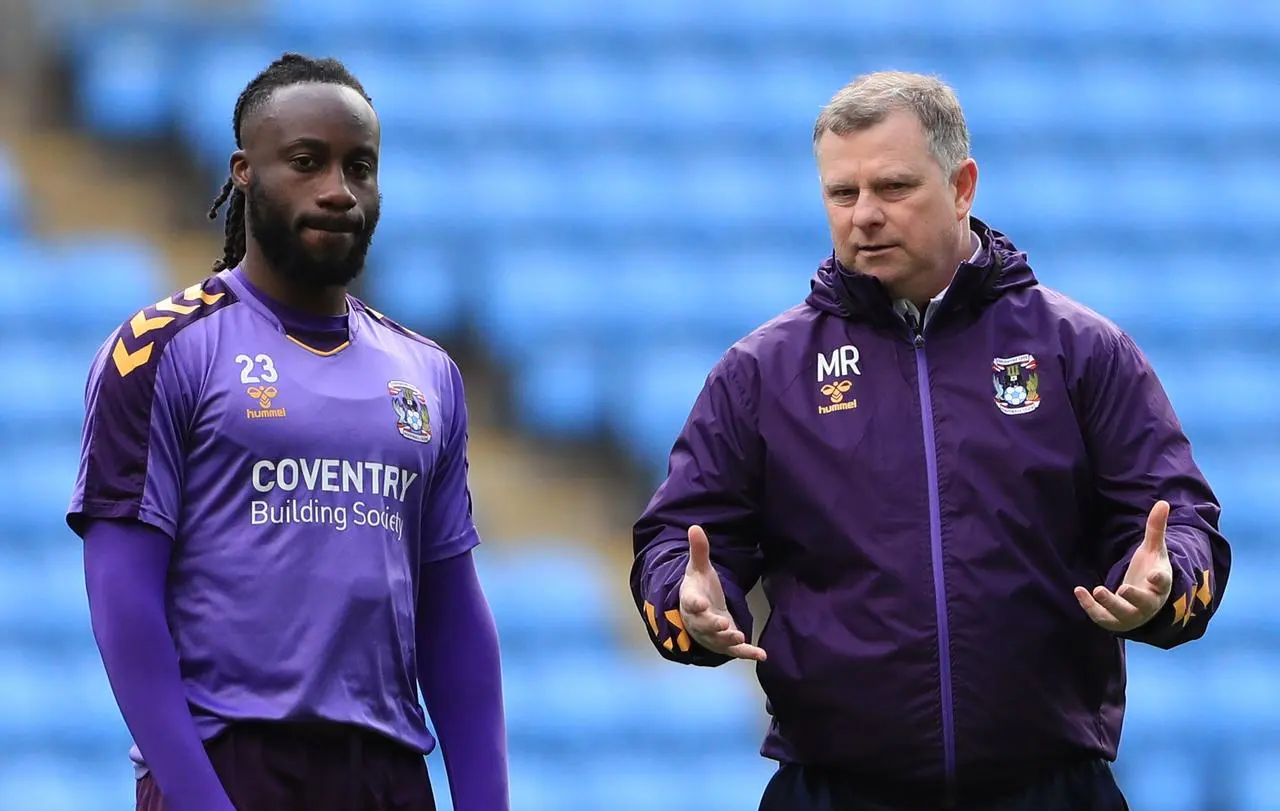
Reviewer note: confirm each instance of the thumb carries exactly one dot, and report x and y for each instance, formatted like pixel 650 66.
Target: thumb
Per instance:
pixel 1157 522
pixel 699 550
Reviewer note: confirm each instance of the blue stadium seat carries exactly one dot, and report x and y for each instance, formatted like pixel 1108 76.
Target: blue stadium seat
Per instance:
pixel 1157 682
pixel 1241 694
pixel 654 389
pixel 46 781
pixel 42 594
pixel 36 501
pixel 571 699
pixel 212 76
pixel 1258 784
pixel 45 398
pixel 88 286
pixel 539 597
pixel 1168 777
pixel 416 285
pixel 124 80
pixel 58 702
pixel 560 389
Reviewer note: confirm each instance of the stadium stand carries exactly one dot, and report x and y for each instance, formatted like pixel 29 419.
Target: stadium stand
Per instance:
pixel 608 195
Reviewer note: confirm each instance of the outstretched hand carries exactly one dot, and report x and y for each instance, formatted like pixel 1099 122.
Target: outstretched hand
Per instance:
pixel 1146 585
pixel 703 610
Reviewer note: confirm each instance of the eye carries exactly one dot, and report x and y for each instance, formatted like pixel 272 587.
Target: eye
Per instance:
pixel 305 163
pixel 362 169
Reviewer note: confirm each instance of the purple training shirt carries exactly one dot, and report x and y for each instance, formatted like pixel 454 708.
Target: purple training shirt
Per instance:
pixel 305 487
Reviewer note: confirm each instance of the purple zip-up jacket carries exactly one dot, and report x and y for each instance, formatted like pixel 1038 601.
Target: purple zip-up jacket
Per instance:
pixel 920 504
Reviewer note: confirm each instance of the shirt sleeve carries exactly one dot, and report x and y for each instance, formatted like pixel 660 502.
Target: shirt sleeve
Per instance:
pixel 137 413
pixel 448 528
pixel 713 481
pixel 1141 455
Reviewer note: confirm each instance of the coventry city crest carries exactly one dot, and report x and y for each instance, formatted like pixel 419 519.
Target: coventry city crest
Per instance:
pixel 1017 384
pixel 413 421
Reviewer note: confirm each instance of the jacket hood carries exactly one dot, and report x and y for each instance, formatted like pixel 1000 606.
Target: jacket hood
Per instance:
pixel 998 268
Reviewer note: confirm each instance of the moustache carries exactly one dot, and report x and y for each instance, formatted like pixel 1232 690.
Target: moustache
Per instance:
pixel 337 225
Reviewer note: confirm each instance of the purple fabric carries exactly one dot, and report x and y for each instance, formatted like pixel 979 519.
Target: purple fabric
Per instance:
pixel 126 563
pixel 320 332
pixel 306 492
pixel 460 673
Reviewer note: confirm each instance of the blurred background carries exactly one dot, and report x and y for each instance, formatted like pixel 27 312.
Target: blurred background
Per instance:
pixel 586 203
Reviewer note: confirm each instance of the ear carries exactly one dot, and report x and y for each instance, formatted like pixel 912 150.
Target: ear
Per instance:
pixel 241 171
pixel 966 185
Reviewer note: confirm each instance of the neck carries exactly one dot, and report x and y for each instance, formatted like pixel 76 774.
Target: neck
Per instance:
pixel 329 300
pixel 938 282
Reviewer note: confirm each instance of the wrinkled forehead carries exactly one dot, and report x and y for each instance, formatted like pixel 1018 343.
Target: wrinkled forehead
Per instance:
pixel 895 146
pixel 325 113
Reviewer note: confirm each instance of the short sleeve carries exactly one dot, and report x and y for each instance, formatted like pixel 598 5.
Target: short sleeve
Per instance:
pixel 133 440
pixel 448 528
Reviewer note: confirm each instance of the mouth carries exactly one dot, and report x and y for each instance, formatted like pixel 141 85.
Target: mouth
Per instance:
pixel 332 226
pixel 874 250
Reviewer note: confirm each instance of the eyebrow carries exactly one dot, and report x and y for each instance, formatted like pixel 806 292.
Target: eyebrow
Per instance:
pixel 319 145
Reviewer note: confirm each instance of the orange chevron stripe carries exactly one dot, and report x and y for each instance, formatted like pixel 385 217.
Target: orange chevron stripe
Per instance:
pixel 142 325
pixel 170 306
pixel 127 361
pixel 194 293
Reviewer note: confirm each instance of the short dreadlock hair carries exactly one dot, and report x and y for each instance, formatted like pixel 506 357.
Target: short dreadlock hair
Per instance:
pixel 288 70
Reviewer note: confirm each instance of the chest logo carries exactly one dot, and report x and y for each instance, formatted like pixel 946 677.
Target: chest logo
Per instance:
pixel 413 421
pixel 1017 384
pixel 835 373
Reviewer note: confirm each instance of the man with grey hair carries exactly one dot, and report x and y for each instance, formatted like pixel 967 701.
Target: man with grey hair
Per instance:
pixel 963 493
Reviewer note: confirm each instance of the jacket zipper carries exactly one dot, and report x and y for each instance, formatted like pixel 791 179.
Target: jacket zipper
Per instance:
pixel 935 546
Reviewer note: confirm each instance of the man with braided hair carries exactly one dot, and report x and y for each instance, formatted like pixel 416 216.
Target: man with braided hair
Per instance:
pixel 274 503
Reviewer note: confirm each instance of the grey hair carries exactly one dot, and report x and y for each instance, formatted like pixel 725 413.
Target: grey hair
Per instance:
pixel 870 98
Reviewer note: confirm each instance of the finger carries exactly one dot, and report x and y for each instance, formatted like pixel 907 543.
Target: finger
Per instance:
pixel 707 622
pixel 1123 610
pixel 699 549
pixel 1095 611
pixel 1157 523
pixel 746 651
pixel 719 641
pixel 1147 602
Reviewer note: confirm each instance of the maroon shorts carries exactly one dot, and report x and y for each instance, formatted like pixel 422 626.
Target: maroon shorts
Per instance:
pixel 312 767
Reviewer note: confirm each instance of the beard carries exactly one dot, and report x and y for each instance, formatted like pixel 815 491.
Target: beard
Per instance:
pixel 280 239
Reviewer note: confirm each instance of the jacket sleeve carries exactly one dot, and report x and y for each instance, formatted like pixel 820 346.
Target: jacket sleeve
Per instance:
pixel 1139 455
pixel 713 481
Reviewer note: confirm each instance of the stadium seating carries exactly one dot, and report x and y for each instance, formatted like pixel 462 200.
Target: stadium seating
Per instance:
pixel 608 195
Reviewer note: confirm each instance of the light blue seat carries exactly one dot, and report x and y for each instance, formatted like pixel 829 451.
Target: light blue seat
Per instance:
pixel 561 388
pixel 42 595
pixel 538 297
pixel 213 76
pixel 1150 691
pixel 1172 778
pixel 1258 781
pixel 654 390
pixel 97 282
pixel 45 394
pixel 1241 692
pixel 124 78
pixel 540 597
pixel 416 285
pixel 572 699
pixel 36 500
pixel 47 781
pixel 55 701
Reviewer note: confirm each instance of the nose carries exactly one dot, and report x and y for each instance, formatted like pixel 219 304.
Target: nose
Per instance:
pixel 335 194
pixel 867 213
